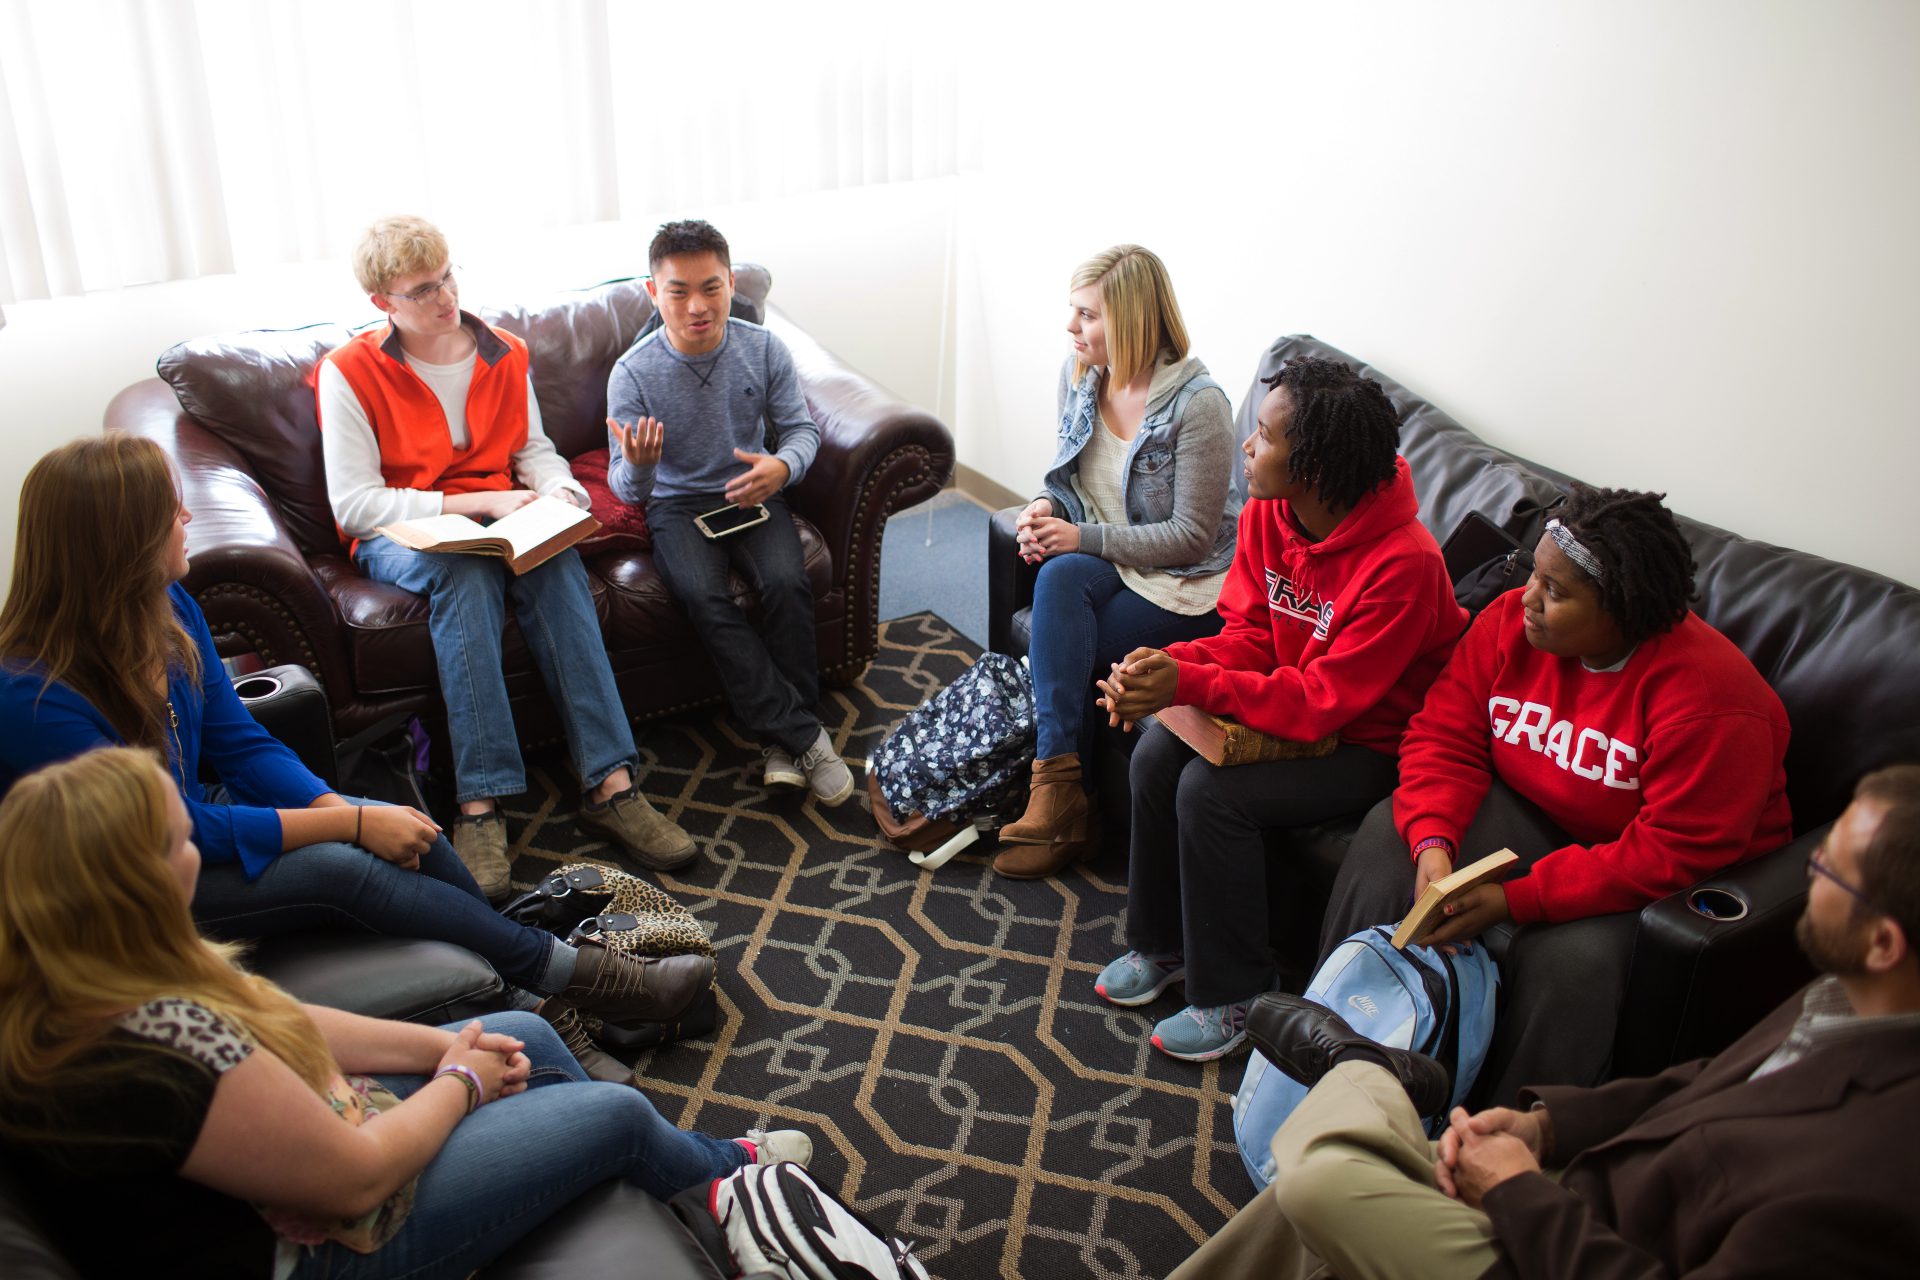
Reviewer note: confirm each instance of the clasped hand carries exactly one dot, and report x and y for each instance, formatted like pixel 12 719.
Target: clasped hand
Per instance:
pixel 1140 684
pixel 1479 1152
pixel 498 1060
pixel 1038 534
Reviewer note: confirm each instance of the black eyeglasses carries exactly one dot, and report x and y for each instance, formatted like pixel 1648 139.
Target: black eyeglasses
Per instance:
pixel 1817 866
pixel 428 294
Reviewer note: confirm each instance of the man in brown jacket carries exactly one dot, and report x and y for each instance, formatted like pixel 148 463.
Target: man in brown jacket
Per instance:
pixel 1796 1152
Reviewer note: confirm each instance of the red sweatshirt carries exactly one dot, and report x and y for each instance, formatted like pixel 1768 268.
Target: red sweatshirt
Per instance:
pixel 1663 772
pixel 1338 636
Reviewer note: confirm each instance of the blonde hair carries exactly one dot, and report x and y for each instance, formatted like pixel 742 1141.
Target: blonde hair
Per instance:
pixel 1142 316
pixel 395 247
pixel 89 595
pixel 93 925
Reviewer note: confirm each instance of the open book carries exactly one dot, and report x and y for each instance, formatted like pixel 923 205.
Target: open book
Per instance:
pixel 525 539
pixel 1226 742
pixel 1425 916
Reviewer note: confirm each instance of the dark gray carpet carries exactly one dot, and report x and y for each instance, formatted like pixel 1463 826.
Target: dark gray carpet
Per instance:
pixel 937 1032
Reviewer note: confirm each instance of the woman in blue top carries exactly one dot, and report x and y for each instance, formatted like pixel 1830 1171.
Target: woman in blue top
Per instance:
pixel 1133 534
pixel 100 645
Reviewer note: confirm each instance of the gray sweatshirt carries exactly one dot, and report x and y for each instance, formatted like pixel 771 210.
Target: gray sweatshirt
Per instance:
pixel 744 394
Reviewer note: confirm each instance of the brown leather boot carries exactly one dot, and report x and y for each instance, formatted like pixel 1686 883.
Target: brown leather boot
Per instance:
pixel 1038 861
pixel 1057 809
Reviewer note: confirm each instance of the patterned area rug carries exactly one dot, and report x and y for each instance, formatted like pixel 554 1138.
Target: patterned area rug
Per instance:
pixel 936 1032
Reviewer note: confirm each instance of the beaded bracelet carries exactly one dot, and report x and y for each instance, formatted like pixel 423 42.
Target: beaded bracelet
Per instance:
pixel 466 1076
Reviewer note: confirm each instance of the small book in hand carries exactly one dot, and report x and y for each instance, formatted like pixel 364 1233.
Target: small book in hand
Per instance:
pixel 1222 741
pixel 1425 916
pixel 525 539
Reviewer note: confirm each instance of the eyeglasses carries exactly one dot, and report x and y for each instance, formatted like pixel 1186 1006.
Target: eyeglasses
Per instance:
pixel 428 294
pixel 1817 866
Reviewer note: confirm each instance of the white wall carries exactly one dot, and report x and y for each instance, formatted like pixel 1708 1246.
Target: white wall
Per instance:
pixel 1658 243
pixel 1665 245
pixel 864 270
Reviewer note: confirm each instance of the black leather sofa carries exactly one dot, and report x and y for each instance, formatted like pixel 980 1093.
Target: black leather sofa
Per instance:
pixel 1839 644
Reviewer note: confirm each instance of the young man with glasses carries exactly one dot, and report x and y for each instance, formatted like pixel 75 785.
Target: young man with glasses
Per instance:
pixel 435 414
pixel 1792 1153
pixel 692 406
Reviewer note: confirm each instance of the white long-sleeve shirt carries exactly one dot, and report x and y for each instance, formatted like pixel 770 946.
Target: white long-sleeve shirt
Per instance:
pixel 356 488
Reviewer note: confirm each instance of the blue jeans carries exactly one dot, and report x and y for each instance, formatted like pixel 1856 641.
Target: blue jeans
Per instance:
pixel 468 596
pixel 340 886
pixel 770 672
pixel 1084 620
pixel 516 1162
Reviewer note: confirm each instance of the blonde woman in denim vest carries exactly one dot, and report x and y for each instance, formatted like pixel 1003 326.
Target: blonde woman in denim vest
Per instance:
pixel 1133 534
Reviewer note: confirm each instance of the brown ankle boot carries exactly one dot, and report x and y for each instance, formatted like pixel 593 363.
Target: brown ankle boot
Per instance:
pixel 1038 861
pixel 1057 808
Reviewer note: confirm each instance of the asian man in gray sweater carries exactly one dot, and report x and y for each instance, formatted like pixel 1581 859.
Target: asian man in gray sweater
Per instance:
pixel 706 427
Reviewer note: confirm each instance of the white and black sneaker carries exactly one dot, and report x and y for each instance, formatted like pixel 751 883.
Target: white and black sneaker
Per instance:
pixel 777 1221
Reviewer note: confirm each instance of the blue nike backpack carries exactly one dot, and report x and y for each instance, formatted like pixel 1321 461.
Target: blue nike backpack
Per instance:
pixel 1420 998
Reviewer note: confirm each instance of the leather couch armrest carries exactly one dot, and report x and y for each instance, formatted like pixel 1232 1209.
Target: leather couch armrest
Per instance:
pixel 1713 960
pixel 614 1230
pixel 1009 584
pixel 246 571
pixel 877 455
pixel 414 979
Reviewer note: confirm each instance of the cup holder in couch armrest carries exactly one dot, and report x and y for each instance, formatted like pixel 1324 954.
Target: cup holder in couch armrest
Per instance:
pixel 257 688
pixel 1718 905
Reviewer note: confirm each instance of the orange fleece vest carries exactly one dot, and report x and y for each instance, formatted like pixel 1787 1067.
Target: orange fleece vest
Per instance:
pixel 415 439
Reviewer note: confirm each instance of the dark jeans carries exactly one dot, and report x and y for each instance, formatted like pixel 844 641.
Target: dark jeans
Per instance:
pixel 340 886
pixel 1197 882
pixel 770 672
pixel 1085 620
pixel 1561 985
pixel 517 1161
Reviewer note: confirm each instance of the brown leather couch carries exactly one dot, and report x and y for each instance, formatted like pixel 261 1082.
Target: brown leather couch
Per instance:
pixel 236 414
pixel 1840 645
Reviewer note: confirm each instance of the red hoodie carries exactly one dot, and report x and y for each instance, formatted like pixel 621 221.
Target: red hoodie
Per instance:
pixel 1338 636
pixel 1662 772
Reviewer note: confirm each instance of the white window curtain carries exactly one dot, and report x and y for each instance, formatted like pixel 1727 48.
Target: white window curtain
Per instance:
pixel 149 140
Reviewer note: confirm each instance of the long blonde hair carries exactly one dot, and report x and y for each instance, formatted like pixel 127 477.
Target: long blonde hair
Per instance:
pixel 1141 314
pixel 93 924
pixel 89 595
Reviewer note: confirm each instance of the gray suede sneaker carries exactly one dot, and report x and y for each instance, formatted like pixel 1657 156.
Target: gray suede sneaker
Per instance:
pixel 827 774
pixel 481 842
pixel 630 821
pixel 781 771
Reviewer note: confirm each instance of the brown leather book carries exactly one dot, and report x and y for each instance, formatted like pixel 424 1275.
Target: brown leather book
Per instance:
pixel 525 539
pixel 1223 741
pixel 1422 919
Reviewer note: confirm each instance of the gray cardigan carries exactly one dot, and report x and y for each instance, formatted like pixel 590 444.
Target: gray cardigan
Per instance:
pixel 1178 487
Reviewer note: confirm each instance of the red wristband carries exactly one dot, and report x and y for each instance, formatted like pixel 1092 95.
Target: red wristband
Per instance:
pixel 1434 842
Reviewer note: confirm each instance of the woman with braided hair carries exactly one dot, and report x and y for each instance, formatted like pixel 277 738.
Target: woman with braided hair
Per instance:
pixel 1337 616
pixel 1619 745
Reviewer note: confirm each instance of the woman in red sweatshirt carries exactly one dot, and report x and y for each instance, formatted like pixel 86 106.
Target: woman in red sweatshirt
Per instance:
pixel 1337 615
pixel 1621 746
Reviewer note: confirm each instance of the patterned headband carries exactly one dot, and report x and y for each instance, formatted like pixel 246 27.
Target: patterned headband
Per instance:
pixel 1570 546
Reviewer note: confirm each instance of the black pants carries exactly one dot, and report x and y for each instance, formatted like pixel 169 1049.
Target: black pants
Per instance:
pixel 770 672
pixel 1197 883
pixel 1561 985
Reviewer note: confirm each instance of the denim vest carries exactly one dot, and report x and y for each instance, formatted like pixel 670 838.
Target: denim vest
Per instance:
pixel 1146 486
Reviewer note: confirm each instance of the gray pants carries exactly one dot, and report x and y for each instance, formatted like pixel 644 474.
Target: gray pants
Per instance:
pixel 1355 1197
pixel 1561 985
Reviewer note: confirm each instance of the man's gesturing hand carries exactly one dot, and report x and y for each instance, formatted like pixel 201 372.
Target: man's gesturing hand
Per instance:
pixel 764 476
pixel 639 444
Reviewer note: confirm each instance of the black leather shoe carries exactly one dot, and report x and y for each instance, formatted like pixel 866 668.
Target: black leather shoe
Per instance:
pixel 1306 1040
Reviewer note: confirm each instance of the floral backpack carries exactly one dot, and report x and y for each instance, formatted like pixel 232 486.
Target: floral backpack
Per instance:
pixel 963 758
